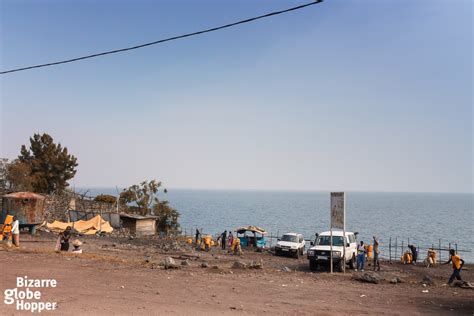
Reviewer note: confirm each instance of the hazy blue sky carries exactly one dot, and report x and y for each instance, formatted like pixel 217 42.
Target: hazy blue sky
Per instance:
pixel 351 95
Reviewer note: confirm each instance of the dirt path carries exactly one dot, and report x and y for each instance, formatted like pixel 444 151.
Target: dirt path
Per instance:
pixel 124 280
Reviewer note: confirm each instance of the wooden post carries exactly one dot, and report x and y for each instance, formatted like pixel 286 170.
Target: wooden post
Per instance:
pixel 390 249
pixel 439 251
pixel 456 245
pixel 402 249
pixel 396 247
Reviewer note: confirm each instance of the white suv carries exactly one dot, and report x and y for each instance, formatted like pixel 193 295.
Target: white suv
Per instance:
pixel 320 252
pixel 290 243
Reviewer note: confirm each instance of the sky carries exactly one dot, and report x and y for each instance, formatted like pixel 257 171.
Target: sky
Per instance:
pixel 344 95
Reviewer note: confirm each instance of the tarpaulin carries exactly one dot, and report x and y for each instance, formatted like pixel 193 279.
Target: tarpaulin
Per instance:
pixel 88 227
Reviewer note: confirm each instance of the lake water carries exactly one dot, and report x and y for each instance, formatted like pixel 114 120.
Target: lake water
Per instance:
pixel 423 217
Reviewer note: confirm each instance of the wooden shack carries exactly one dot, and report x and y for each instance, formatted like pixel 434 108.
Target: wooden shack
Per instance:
pixel 138 224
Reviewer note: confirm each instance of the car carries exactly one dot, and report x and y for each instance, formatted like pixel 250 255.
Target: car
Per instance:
pixel 291 244
pixel 320 252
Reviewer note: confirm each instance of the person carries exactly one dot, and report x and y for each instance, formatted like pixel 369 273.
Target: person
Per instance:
pixel 231 238
pixel 64 238
pixel 414 254
pixel 376 254
pixel 457 266
pixel 360 256
pixel 224 238
pixel 430 260
pixel 16 232
pixel 198 234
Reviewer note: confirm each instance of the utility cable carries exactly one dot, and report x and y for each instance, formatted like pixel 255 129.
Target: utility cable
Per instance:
pixel 163 40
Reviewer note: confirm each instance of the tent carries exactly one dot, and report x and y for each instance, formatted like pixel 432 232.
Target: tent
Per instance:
pixel 88 227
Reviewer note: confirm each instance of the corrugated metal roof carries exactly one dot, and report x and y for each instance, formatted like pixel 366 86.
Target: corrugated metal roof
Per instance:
pixel 24 195
pixel 137 216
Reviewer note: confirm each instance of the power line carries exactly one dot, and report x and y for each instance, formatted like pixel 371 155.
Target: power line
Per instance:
pixel 162 40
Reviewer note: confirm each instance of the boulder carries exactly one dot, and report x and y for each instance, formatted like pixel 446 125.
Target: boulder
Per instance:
pixel 239 265
pixel 256 264
pixel 169 263
pixel 185 263
pixel 204 265
pixel 427 280
pixel 395 280
pixel 367 277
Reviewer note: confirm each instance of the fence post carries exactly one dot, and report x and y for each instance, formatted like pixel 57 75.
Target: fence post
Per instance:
pixel 396 247
pixel 456 245
pixel 401 250
pixel 390 249
pixel 439 250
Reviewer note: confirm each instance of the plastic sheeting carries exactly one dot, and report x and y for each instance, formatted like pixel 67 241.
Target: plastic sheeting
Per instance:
pixel 88 227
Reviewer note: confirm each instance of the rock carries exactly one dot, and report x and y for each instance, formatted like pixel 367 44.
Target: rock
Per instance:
pixel 427 280
pixel 464 285
pixel 169 263
pixel 239 265
pixel 256 264
pixel 204 265
pixel 215 267
pixel 185 263
pixel 395 280
pixel 367 278
pixel 285 269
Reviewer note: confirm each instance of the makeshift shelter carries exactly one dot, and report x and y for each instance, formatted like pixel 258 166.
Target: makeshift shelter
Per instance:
pixel 251 236
pixel 28 207
pixel 88 227
pixel 138 224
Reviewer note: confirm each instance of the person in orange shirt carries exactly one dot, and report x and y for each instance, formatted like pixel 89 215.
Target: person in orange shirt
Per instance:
pixel 457 266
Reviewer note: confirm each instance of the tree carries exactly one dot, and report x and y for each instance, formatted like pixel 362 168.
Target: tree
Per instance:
pixel 168 217
pixel 18 176
pixel 143 196
pixel 51 165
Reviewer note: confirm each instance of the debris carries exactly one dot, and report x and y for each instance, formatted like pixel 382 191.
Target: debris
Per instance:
pixel 169 263
pixel 363 295
pixel 204 265
pixel 367 278
pixel 395 280
pixel 216 267
pixel 427 280
pixel 256 264
pixel 425 291
pixel 185 263
pixel 285 269
pixel 464 285
pixel 239 265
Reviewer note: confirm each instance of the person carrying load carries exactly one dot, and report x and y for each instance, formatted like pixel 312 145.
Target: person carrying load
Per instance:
pixel 430 260
pixel 6 230
pixel 457 266
pixel 235 248
pixel 406 258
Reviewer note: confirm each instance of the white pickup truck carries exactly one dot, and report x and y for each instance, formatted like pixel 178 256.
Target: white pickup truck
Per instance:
pixel 290 243
pixel 320 252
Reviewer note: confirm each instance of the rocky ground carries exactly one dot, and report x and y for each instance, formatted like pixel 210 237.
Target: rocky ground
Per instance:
pixel 122 276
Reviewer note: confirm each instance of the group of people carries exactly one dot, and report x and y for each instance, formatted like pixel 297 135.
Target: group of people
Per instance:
pixel 62 243
pixel 224 240
pixel 364 251
pixel 409 257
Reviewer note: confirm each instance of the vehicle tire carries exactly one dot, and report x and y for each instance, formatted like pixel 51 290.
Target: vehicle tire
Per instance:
pixel 277 253
pixel 313 266
pixel 297 254
pixel 338 266
pixel 352 262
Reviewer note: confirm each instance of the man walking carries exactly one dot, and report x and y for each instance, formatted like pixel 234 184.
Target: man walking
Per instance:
pixel 376 254
pixel 224 239
pixel 457 266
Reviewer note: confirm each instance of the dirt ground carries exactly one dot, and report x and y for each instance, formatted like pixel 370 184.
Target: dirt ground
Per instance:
pixel 118 276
